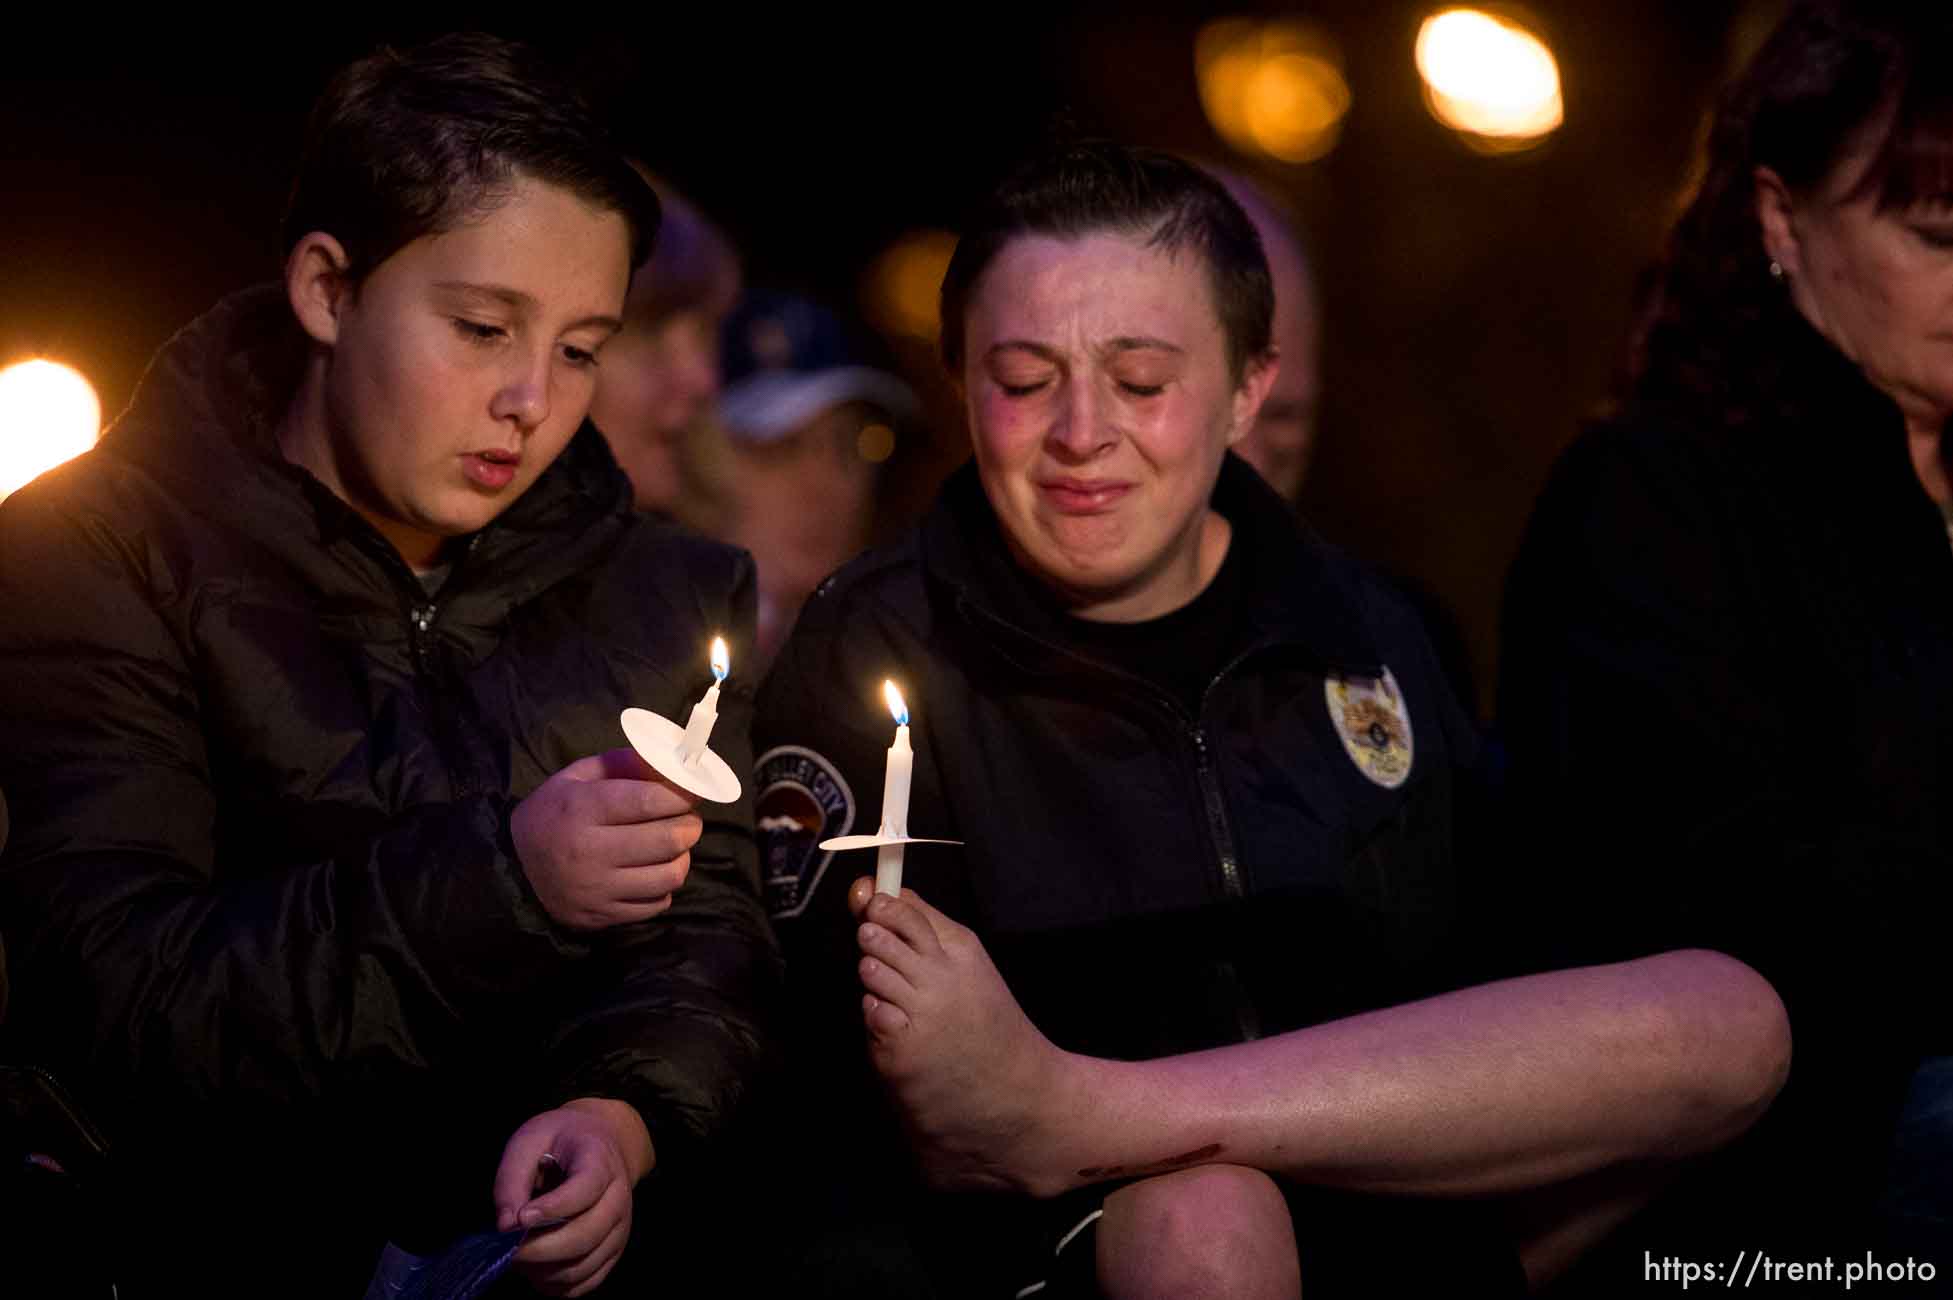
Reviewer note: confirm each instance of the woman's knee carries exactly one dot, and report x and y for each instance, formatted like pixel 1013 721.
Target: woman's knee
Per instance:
pixel 1216 1230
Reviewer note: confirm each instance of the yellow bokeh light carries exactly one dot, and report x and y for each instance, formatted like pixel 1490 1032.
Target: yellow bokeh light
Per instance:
pixel 48 414
pixel 1225 56
pixel 1275 89
pixel 1489 78
pixel 875 443
pixel 1294 102
pixel 905 282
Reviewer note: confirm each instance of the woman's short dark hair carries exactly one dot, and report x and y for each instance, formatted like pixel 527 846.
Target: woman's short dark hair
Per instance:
pixel 402 145
pixel 1835 76
pixel 1091 187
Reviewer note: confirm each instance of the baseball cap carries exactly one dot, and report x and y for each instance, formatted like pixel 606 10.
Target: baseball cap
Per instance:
pixel 785 359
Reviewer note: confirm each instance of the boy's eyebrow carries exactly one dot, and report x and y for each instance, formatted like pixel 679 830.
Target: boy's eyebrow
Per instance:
pixel 521 301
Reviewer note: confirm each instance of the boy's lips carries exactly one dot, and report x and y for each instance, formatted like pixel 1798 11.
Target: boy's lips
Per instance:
pixel 493 470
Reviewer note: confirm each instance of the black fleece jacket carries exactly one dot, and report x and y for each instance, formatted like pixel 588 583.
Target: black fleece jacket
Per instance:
pixel 1728 693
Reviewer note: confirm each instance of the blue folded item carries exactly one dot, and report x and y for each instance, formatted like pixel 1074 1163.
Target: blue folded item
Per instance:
pixel 461 1272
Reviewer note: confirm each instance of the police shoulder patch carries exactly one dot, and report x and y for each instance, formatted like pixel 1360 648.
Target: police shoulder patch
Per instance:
pixel 1370 715
pixel 803 799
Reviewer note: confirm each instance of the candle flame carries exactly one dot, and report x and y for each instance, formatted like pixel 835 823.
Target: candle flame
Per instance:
pixel 896 705
pixel 721 658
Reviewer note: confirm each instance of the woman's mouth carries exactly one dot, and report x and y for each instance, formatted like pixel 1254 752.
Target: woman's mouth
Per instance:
pixel 1074 496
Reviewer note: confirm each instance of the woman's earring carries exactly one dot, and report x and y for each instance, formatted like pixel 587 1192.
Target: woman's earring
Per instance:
pixel 1776 269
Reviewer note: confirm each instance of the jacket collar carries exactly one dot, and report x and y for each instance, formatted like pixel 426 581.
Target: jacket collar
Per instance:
pixel 203 424
pixel 1303 593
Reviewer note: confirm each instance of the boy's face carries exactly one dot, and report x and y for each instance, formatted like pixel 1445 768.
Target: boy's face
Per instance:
pixel 462 365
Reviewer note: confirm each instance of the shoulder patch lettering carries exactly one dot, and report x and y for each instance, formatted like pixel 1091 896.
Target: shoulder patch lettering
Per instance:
pixel 1370 715
pixel 803 799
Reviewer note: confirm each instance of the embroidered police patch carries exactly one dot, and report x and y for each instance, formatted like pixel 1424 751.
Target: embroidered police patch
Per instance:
pixel 803 800
pixel 1370 715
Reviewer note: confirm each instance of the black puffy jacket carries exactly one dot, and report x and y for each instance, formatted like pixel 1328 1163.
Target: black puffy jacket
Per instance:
pixel 260 898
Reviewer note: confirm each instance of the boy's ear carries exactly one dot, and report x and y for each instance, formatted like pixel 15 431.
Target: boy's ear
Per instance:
pixel 317 286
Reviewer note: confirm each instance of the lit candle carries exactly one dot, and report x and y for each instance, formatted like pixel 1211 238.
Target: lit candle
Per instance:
pixel 895 796
pixel 698 728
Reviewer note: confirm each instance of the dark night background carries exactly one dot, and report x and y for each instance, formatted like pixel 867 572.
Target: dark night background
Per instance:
pixel 1475 307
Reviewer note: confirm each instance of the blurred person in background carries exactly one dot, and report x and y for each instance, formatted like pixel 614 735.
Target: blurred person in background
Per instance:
pixel 1728 673
pixel 330 892
pixel 1282 442
pixel 1200 1005
pixel 661 373
pixel 1281 445
pixel 808 432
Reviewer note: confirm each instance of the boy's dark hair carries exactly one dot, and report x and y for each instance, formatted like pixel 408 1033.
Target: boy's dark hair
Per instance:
pixel 402 145
pixel 1095 186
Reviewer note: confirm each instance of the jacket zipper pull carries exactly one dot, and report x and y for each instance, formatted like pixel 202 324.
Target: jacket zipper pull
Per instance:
pixel 419 619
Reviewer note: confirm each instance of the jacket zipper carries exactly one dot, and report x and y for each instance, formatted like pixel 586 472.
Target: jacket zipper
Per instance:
pixel 443 700
pixel 1205 773
pixel 1210 790
pixel 1247 1020
pixel 420 616
pixel 1210 785
pixel 445 730
pixel 420 619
